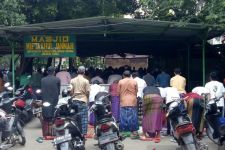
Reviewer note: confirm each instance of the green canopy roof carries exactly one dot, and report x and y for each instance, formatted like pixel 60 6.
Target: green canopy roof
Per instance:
pixel 106 35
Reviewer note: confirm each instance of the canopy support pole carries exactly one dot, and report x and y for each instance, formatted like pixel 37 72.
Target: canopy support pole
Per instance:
pixel 188 66
pixel 13 66
pixel 203 62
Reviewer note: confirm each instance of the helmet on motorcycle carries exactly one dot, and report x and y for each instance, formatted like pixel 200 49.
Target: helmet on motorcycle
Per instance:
pixel 20 104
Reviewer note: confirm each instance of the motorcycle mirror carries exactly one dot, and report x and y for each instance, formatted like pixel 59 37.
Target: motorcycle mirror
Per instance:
pixel 10 88
pixel 7 84
pixel 38 91
pixel 46 104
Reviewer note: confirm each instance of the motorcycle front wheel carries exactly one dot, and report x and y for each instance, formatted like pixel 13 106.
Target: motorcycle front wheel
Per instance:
pixel 20 134
pixel 22 140
pixel 109 146
pixel 209 133
pixel 64 146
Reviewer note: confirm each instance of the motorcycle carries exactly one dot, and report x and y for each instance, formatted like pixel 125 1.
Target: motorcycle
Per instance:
pixel 30 97
pixel 37 104
pixel 215 123
pixel 6 98
pixel 66 125
pixel 11 131
pixel 106 129
pixel 182 127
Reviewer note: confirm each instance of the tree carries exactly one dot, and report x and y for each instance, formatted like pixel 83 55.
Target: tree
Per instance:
pixel 169 10
pixel 53 10
pixel 204 11
pixel 11 13
pixel 213 12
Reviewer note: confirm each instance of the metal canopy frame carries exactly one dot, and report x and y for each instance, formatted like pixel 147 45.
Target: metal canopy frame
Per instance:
pixel 104 31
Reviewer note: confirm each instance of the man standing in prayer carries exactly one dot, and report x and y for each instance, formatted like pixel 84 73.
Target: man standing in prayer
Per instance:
pixel 50 88
pixel 178 81
pixel 127 89
pixel 149 79
pixel 141 85
pixel 80 93
pixel 64 77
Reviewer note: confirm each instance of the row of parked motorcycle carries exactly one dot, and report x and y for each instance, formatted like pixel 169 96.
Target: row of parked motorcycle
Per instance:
pixel 67 121
pixel 17 110
pixel 184 130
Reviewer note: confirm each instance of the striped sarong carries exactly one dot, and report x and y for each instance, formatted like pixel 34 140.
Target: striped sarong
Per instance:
pixel 195 108
pixel 152 113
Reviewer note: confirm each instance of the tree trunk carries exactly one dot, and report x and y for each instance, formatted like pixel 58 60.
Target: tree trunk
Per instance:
pixel 49 63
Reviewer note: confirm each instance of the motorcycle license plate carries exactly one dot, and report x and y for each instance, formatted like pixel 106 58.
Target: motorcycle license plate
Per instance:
pixel 62 139
pixel 108 137
pixel 37 110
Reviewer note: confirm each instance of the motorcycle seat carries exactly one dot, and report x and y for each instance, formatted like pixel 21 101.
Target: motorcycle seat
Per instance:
pixel 104 120
pixel 183 123
pixel 222 120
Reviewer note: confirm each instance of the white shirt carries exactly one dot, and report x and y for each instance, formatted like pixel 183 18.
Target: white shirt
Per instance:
pixel 99 79
pixel 141 85
pixel 162 92
pixel 200 90
pixel 171 94
pixel 94 89
pixel 216 90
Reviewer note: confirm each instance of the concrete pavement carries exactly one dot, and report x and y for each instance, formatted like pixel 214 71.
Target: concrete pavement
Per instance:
pixel 33 131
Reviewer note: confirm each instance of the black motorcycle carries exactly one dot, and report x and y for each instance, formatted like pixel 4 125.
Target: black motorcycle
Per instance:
pixel 182 127
pixel 215 123
pixel 29 96
pixel 6 98
pixel 11 131
pixel 66 126
pixel 106 129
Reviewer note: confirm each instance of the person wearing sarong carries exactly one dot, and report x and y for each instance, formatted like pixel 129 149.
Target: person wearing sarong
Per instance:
pixel 195 108
pixel 152 114
pixel 115 100
pixel 127 89
pixel 141 85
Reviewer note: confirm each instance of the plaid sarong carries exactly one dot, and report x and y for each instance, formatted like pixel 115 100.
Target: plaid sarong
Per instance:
pixel 83 111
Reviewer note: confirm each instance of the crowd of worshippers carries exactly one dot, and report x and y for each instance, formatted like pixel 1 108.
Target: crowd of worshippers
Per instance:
pixel 137 97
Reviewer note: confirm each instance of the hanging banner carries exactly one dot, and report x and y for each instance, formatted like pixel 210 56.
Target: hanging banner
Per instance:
pixel 49 46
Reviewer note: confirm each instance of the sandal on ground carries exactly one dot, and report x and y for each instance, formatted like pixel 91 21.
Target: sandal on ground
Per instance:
pixel 39 140
pixel 144 138
pixel 89 136
pixel 134 136
pixel 157 140
pixel 126 134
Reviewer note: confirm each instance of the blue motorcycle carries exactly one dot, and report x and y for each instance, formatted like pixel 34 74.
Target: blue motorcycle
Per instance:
pixel 215 123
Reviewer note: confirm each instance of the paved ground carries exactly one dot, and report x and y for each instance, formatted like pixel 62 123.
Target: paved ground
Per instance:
pixel 33 130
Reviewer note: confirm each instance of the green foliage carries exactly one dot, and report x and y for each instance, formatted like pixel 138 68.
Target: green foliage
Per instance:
pixel 206 11
pixel 178 10
pixel 51 10
pixel 213 12
pixel 10 12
